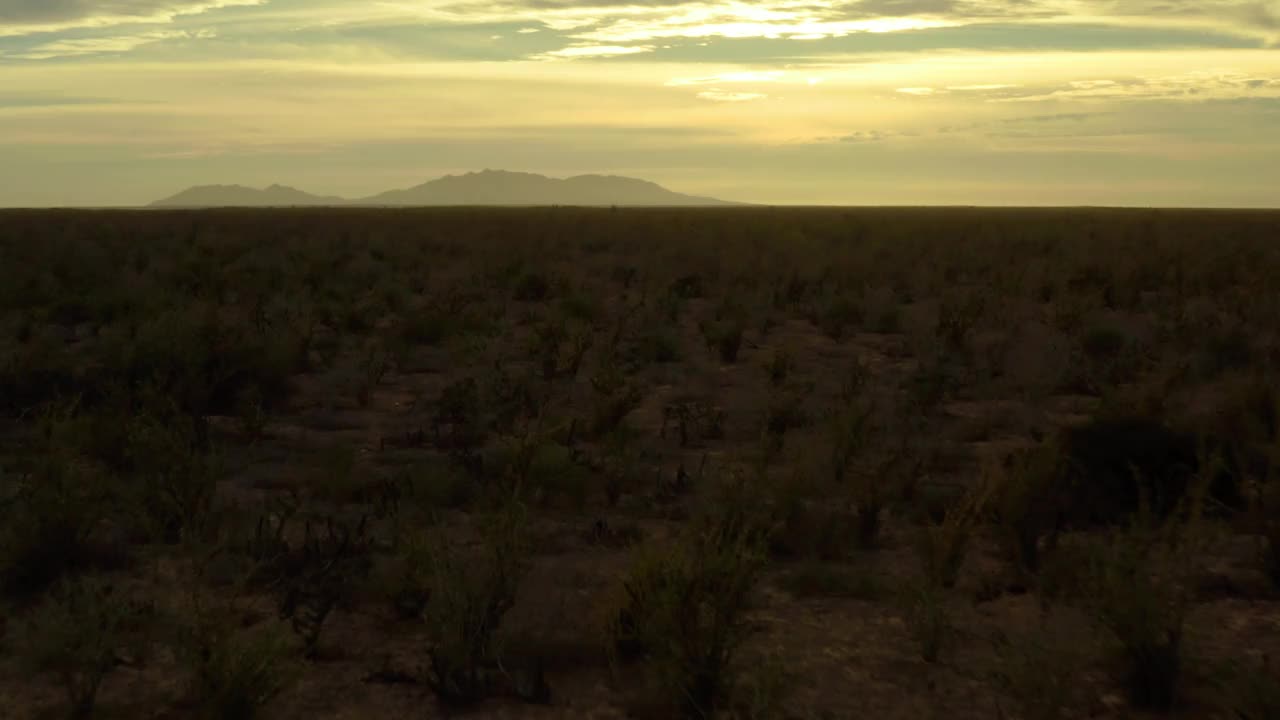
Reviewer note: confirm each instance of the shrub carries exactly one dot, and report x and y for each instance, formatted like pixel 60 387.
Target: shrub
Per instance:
pixel 470 595
pixel 47 517
pixel 683 607
pixel 236 674
pixel 1251 690
pixel 79 637
pixel 942 546
pixel 1116 464
pixel 1022 488
pixel 321 574
pixel 1133 591
pixel 725 336
pixel 173 478
pixel 778 368
pixel 816 579
pixel 927 619
pixel 1041 672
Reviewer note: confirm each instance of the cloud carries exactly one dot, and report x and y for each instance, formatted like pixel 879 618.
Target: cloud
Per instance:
pixel 746 76
pixel 1192 86
pixel 594 51
pixel 866 136
pixel 101 45
pixel 727 96
pixel 22 17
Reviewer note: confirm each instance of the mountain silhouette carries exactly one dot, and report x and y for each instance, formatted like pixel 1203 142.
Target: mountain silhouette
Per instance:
pixel 489 187
pixel 241 196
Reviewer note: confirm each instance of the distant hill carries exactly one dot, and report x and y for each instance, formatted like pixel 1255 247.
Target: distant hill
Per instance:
pixel 490 187
pixel 241 196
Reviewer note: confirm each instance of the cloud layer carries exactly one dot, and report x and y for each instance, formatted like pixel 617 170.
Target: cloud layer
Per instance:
pixel 811 101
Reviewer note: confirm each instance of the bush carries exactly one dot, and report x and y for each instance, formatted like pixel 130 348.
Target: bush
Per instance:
pixel 321 574
pixel 1115 465
pixel 1022 503
pixel 1041 672
pixel 942 546
pixel 47 517
pixel 235 675
pixel 80 636
pixel 1133 591
pixel 927 619
pixel 470 594
pixel 683 607
pixel 1251 690
pixel 172 478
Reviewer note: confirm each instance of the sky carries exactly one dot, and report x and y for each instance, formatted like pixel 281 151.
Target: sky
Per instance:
pixel 845 102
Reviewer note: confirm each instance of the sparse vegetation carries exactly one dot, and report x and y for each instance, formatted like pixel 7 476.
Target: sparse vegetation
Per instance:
pixel 335 408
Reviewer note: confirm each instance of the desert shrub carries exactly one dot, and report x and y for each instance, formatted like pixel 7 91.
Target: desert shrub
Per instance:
pixel 927 618
pixel 172 478
pixel 1115 465
pixel 406 580
pixel 1225 350
pixel 1266 503
pixel 459 426
pixel 870 460
pixel 614 396
pixel 1250 690
pixel 323 574
pixel 786 412
pixel 336 479
pixel 1041 672
pixel 778 367
pixel 234 674
pixel 471 591
pixel 1022 502
pixel 1102 344
pixel 683 607
pixel 687 287
pixel 695 421
pixel 532 286
pixel 812 528
pixel 79 637
pixel 835 313
pixel 48 514
pixel 725 337
pixel 942 546
pixel 957 317
pixel 1133 590
pixel 818 579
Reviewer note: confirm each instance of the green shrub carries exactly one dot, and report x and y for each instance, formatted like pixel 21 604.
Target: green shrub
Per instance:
pixel 470 594
pixel 1041 672
pixel 1251 690
pixel 80 636
pixel 817 579
pixel 47 517
pixel 942 546
pixel 236 674
pixel 927 619
pixel 172 478
pixel 1133 590
pixel 1022 489
pixel 683 607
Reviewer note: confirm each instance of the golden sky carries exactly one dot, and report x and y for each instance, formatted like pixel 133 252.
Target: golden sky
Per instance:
pixel 1028 102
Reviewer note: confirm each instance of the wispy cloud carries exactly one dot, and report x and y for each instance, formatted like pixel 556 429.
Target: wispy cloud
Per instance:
pixel 594 51
pixel 101 45
pixel 23 17
pixel 729 96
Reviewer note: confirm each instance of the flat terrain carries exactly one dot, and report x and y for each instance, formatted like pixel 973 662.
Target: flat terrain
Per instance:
pixel 558 462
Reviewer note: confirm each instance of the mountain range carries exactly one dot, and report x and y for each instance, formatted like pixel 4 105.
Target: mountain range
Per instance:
pixel 489 187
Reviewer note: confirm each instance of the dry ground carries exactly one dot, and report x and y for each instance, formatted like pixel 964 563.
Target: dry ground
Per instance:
pixel 315 355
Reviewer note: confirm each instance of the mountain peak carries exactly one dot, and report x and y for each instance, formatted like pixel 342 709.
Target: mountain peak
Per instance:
pixel 484 187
